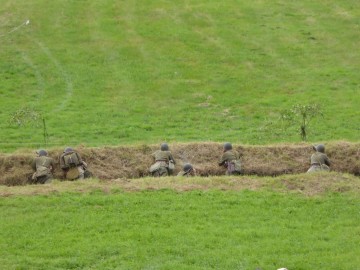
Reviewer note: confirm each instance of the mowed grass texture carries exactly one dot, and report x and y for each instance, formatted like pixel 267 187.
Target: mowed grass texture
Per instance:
pixel 164 229
pixel 124 72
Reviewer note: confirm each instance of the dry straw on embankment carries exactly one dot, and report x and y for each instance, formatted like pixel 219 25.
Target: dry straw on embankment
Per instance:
pixel 134 161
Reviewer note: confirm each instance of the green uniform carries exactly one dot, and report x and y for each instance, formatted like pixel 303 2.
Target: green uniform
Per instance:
pixel 161 165
pixel 72 164
pixel 319 162
pixel 231 160
pixel 43 167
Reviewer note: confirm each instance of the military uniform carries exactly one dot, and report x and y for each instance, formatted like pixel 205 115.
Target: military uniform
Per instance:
pixel 319 162
pixel 187 170
pixel 161 165
pixel 72 164
pixel 231 160
pixel 44 167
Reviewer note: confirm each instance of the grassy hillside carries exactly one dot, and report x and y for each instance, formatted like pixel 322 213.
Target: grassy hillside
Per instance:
pixel 110 72
pixel 99 225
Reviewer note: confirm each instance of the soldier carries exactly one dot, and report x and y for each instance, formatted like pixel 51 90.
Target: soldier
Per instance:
pixel 230 159
pixel 188 170
pixel 164 162
pixel 43 167
pixel 319 160
pixel 72 165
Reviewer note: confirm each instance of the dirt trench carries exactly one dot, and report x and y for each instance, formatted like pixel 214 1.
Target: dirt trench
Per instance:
pixel 134 161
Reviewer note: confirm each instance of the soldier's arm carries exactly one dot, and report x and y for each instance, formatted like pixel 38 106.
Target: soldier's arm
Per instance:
pixel 81 160
pixel 33 165
pixel 237 155
pixel 222 160
pixel 62 163
pixel 327 161
pixel 171 158
pixel 79 157
pixel 52 165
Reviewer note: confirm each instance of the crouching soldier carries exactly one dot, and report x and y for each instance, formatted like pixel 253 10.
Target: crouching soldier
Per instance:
pixel 164 162
pixel 188 170
pixel 43 167
pixel 72 165
pixel 319 160
pixel 230 159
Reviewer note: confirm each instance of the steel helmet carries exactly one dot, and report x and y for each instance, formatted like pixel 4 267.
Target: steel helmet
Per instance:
pixel 227 146
pixel 42 153
pixel 68 150
pixel 187 167
pixel 164 147
pixel 320 148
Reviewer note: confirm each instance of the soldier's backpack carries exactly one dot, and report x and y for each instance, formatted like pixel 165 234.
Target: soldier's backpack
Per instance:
pixel 71 160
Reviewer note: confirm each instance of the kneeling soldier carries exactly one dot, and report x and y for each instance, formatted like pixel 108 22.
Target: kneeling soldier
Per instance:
pixel 319 160
pixel 44 167
pixel 72 165
pixel 164 162
pixel 230 159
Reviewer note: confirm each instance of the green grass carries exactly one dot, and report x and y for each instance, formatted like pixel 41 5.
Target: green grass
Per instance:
pixel 133 72
pixel 125 72
pixel 179 230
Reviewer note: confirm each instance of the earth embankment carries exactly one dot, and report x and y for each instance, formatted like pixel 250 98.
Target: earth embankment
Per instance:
pixel 134 161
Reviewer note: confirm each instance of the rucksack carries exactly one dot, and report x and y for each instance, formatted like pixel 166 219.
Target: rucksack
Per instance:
pixel 71 160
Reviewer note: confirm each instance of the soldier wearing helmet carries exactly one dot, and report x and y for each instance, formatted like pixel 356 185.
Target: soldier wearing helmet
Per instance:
pixel 164 162
pixel 72 164
pixel 43 167
pixel 188 170
pixel 230 159
pixel 319 160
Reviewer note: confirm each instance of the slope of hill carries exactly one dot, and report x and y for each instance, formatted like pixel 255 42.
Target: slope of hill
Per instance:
pixel 124 72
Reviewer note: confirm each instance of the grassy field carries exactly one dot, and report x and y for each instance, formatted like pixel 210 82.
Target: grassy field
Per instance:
pixel 99 225
pixel 137 73
pixel 125 72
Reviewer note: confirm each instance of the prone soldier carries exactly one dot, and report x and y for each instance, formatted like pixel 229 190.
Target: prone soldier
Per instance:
pixel 188 170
